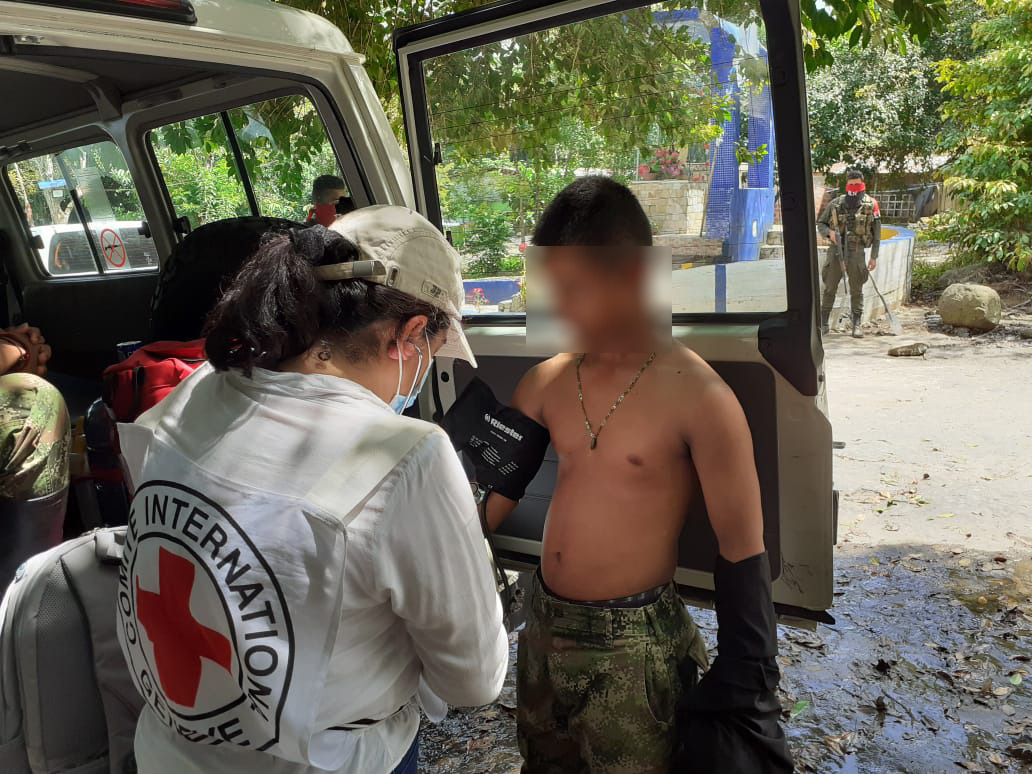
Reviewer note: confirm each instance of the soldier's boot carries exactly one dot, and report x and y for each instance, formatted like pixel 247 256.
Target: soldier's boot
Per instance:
pixel 825 318
pixel 858 331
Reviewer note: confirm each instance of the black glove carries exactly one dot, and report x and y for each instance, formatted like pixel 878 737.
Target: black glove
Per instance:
pixel 505 445
pixel 729 721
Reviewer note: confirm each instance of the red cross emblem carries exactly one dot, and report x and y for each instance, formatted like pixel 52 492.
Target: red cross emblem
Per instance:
pixel 180 642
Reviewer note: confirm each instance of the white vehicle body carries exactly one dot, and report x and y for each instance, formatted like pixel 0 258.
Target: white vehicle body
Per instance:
pixel 239 51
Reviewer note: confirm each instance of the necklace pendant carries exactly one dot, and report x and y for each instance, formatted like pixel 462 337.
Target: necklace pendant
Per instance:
pixel 594 441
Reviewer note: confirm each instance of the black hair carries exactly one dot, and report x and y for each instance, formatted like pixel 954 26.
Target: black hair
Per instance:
pixel 594 211
pixel 854 174
pixel 277 308
pixel 323 185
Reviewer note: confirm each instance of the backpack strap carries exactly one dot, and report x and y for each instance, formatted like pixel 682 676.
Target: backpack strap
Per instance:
pixel 350 481
pixel 13 755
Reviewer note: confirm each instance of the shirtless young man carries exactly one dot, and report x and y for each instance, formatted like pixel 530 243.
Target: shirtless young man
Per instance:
pixel 609 646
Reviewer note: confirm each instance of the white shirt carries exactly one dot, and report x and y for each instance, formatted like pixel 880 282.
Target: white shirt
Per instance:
pixel 384 599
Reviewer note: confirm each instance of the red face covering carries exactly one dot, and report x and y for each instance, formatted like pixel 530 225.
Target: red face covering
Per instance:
pixel 323 214
pixel 855 187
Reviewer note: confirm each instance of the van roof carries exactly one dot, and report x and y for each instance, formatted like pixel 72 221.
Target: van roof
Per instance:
pixel 50 68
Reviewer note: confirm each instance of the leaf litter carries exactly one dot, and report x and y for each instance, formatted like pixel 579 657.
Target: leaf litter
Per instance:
pixel 925 670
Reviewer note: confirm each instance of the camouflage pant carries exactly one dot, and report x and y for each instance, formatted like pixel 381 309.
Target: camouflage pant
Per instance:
pixel 597 686
pixel 34 438
pixel 856 271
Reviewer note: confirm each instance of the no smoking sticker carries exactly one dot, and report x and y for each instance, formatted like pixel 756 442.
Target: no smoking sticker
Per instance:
pixel 113 248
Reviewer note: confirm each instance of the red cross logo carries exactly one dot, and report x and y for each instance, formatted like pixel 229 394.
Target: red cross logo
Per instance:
pixel 180 642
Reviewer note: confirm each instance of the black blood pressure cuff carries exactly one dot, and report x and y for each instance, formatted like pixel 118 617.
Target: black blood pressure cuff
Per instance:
pixel 504 444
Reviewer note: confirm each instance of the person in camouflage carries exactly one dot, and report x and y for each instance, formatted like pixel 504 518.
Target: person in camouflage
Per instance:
pixel 599 683
pixel 34 425
pixel 852 223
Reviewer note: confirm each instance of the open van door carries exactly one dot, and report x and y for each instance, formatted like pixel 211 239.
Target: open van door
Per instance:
pixel 703 114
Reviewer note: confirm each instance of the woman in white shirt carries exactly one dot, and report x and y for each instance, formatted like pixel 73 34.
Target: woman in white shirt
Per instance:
pixel 305 566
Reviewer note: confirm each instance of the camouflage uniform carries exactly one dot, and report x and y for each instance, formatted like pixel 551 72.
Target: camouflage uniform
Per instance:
pixel 858 223
pixel 598 686
pixel 34 438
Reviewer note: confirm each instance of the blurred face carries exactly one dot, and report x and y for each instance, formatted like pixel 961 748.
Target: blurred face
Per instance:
pixel 331 196
pixel 599 297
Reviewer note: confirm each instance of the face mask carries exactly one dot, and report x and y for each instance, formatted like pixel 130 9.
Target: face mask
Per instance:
pixel 855 189
pixel 323 214
pixel 399 403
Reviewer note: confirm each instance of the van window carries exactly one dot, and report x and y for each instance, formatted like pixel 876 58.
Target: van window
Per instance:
pixel 682 115
pixel 259 159
pixel 83 211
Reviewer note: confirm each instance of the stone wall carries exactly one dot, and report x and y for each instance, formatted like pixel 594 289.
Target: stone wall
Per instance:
pixel 687 249
pixel 673 206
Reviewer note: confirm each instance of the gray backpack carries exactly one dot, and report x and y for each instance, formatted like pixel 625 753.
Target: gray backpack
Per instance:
pixel 67 700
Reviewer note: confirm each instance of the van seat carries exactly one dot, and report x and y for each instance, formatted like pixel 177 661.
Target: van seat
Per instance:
pixel 198 270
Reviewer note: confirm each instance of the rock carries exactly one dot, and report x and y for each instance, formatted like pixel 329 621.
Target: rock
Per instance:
pixel 514 304
pixel 1025 333
pixel 917 349
pixel 977 307
pixel 961 333
pixel 963 274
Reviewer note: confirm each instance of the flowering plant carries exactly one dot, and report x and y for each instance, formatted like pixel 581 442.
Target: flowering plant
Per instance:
pixel 478 297
pixel 665 164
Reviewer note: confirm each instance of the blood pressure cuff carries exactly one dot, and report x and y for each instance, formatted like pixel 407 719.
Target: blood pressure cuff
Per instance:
pixel 504 444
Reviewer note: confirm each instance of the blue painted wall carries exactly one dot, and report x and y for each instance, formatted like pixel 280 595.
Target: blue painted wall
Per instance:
pixel 495 290
pixel 739 216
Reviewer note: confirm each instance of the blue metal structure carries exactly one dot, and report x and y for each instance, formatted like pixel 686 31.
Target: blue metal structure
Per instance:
pixel 740 215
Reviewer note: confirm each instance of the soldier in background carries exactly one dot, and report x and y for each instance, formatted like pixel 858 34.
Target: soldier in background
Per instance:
pixel 851 223
pixel 330 200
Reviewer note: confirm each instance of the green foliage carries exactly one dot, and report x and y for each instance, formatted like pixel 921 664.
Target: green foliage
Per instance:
pixel 626 75
pixel 283 143
pixel 203 186
pixel 886 24
pixel 490 235
pixel 877 106
pixel 873 106
pixel 990 120
pixel 284 146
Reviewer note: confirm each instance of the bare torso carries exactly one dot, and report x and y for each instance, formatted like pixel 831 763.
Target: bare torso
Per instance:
pixel 617 510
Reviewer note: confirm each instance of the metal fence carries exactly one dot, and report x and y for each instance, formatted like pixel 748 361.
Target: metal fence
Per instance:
pixel 896 205
pixel 906 205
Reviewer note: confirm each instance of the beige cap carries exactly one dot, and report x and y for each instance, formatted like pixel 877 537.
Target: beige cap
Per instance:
pixel 403 250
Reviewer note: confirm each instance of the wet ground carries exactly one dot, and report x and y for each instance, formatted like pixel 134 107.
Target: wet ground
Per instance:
pixel 927 668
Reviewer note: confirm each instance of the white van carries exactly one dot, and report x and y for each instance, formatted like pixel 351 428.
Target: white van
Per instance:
pixel 128 124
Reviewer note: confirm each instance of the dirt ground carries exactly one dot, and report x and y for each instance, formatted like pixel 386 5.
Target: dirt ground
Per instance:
pixel 927 668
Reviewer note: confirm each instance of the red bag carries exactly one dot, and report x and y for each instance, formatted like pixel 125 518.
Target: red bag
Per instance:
pixel 149 374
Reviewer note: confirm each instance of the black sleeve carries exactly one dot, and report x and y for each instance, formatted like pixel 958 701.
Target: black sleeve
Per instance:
pixel 505 446
pixel 729 721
